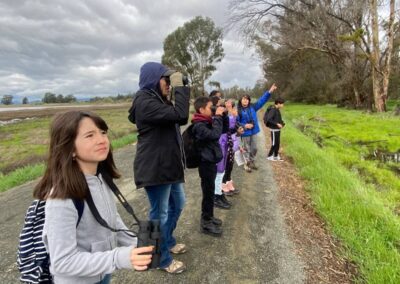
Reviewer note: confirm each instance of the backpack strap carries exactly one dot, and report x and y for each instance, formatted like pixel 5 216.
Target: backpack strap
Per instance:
pixel 79 205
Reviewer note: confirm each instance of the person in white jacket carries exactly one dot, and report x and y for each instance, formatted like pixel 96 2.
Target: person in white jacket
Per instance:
pixel 84 251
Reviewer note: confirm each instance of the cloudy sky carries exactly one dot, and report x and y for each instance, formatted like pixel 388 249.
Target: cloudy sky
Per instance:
pixel 96 47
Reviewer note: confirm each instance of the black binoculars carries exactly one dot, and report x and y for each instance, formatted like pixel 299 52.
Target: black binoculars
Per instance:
pixel 150 235
pixel 185 80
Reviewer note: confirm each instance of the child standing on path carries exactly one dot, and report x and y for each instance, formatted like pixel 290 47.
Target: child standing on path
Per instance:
pixel 233 145
pixel 87 252
pixel 248 119
pixel 273 120
pixel 207 131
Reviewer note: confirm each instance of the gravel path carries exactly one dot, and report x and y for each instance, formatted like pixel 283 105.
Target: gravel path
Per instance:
pixel 254 247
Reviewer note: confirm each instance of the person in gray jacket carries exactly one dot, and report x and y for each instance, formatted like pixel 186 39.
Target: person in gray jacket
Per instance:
pixel 83 251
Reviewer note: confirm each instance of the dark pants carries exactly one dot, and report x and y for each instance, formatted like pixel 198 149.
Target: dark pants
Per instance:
pixel 207 173
pixel 228 171
pixel 275 143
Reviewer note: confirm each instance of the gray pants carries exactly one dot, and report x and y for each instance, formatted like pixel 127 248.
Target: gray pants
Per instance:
pixel 249 143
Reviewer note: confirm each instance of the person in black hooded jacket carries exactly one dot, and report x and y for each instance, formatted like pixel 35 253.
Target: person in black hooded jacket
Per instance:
pixel 159 163
pixel 273 120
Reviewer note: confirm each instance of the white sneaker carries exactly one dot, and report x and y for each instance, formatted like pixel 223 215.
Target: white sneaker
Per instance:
pixel 270 158
pixel 278 158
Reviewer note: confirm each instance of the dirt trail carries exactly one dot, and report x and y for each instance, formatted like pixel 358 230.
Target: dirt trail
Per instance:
pixel 254 247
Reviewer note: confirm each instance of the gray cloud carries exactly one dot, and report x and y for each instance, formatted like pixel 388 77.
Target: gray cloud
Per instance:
pixel 96 47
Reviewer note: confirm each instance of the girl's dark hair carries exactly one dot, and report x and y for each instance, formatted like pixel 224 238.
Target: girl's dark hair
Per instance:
pixel 63 178
pixel 240 101
pixel 215 100
pixel 214 93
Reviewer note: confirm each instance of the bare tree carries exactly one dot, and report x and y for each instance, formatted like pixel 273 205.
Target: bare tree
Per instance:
pixel 380 61
pixel 337 28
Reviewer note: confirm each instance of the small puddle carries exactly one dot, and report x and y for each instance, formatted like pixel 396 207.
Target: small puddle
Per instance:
pixel 384 156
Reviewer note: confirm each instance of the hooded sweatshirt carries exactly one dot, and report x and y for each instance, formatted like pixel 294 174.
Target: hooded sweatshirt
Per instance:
pixel 86 253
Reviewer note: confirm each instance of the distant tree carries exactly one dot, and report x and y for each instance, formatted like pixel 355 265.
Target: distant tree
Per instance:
pixel 215 84
pixel 194 49
pixel 7 100
pixel 236 92
pixel 49 98
pixel 69 99
pixel 25 101
pixel 60 99
pixel 259 88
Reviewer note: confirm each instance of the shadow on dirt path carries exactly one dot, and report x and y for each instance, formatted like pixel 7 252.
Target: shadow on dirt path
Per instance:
pixel 254 247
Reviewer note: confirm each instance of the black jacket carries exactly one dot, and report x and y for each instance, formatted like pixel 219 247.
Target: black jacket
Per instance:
pixel 159 158
pixel 207 136
pixel 272 117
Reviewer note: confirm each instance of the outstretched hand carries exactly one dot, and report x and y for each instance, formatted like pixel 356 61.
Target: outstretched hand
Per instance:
pixel 273 88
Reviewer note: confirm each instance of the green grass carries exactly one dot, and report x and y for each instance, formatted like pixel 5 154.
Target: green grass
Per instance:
pixel 357 210
pixel 28 173
pixel 351 137
pixel 20 176
pixel 23 145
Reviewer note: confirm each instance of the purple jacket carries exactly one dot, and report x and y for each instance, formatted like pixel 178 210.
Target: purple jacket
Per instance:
pixel 223 143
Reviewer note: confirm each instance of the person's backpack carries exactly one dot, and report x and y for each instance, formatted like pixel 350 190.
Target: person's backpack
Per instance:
pixel 32 258
pixel 265 119
pixel 192 153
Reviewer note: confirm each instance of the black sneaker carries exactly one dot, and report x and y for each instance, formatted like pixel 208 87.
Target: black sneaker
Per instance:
pixel 226 200
pixel 219 203
pixel 216 221
pixel 236 191
pixel 252 165
pixel 209 228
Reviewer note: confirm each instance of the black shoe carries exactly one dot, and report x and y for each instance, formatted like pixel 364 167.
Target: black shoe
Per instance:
pixel 253 166
pixel 209 228
pixel 236 191
pixel 228 193
pixel 219 203
pixel 216 221
pixel 226 200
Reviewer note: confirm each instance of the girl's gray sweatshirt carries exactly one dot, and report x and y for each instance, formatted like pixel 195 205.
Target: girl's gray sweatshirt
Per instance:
pixel 85 254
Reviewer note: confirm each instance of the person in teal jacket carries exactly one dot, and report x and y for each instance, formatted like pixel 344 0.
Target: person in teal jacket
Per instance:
pixel 247 117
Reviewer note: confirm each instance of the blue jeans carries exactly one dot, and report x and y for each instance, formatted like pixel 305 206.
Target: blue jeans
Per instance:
pixel 166 204
pixel 105 280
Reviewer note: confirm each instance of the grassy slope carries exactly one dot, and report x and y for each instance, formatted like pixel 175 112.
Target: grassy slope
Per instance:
pixel 361 216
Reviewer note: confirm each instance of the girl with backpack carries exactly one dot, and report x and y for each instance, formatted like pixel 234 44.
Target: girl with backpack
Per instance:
pixel 81 250
pixel 248 119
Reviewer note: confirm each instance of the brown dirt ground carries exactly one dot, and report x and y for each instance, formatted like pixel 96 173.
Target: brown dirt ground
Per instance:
pixel 49 110
pixel 318 249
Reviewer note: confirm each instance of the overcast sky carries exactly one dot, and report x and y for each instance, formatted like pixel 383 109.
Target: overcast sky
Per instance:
pixel 96 47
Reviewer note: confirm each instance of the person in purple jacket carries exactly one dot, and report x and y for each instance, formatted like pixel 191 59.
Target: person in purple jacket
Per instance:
pixel 233 145
pixel 248 119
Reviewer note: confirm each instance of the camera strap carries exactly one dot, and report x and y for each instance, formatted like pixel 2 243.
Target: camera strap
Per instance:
pixel 120 197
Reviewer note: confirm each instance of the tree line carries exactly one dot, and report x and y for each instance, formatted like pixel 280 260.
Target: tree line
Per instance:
pixel 51 98
pixel 343 52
